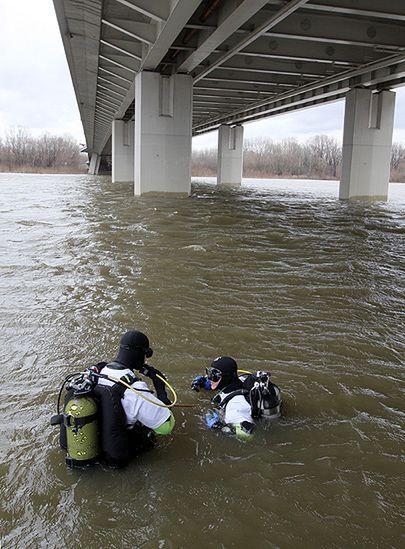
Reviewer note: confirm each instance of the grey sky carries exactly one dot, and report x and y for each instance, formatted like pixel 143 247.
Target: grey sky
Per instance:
pixel 36 90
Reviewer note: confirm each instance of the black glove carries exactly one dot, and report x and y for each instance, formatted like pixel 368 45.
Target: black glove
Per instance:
pixel 159 385
pixel 150 371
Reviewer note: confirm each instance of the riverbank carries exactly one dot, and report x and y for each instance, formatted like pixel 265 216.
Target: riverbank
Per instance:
pixel 40 170
pixel 251 174
pixel 255 174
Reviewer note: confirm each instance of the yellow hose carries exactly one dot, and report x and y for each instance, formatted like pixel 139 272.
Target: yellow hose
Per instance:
pixel 244 372
pixel 116 380
pixel 172 390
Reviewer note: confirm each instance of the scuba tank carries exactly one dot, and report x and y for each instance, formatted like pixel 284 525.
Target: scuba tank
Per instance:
pixel 79 433
pixel 264 396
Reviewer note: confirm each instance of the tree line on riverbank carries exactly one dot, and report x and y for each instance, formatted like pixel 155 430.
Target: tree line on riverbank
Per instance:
pixel 318 158
pixel 20 152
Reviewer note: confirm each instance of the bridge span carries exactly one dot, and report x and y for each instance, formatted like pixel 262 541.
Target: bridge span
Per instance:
pixel 149 74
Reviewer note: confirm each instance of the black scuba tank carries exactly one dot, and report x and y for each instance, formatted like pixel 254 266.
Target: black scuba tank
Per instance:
pixel 263 395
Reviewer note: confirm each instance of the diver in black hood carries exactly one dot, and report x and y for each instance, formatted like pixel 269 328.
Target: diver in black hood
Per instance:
pixel 240 399
pixel 117 411
pixel 133 351
pixel 144 413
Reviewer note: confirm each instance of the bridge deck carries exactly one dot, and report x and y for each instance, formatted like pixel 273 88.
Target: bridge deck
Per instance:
pixel 249 59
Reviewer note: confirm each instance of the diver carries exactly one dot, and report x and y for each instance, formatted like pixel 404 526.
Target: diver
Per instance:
pixel 132 355
pixel 241 398
pixel 122 412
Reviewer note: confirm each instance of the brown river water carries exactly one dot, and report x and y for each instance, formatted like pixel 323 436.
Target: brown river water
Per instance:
pixel 280 275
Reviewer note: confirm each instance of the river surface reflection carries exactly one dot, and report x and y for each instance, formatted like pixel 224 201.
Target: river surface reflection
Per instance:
pixel 280 275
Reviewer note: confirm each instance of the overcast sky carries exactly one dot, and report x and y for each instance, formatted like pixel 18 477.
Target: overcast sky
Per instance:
pixel 36 91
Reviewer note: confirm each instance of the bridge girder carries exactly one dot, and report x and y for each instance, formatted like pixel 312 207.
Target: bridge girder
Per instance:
pixel 249 59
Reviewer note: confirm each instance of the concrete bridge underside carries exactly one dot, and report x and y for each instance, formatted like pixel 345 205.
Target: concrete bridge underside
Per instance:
pixel 149 75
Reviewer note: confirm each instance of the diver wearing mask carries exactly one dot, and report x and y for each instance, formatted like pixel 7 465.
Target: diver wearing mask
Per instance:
pixel 109 414
pixel 240 399
pixel 144 414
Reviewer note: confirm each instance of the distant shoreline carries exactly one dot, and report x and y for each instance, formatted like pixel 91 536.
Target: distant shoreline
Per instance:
pixel 38 170
pixel 250 175
pixel 26 170
pixel 290 177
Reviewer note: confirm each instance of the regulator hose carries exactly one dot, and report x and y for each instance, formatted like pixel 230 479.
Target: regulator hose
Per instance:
pixel 67 378
pixel 139 391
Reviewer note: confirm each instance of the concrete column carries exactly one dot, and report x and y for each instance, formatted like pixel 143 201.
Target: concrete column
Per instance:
pixel 367 141
pixel 163 113
pixel 94 164
pixel 122 151
pixel 230 155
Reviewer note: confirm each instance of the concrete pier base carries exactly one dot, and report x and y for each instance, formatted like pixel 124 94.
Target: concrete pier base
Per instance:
pixel 163 115
pixel 367 142
pixel 94 164
pixel 230 155
pixel 122 151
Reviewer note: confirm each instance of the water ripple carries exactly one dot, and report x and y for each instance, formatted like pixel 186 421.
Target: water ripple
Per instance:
pixel 280 275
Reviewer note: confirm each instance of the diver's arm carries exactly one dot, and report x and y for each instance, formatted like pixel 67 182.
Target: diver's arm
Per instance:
pixel 166 427
pixel 158 383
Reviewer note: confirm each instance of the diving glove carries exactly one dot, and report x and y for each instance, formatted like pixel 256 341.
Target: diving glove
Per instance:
pixel 212 420
pixel 158 383
pixel 150 371
pixel 200 382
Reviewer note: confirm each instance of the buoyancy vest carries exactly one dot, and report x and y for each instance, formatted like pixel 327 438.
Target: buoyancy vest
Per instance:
pixel 113 432
pixel 222 398
pixel 263 396
pixel 118 441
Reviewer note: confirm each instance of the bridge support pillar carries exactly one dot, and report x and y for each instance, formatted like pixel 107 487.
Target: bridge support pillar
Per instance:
pixel 230 155
pixel 163 113
pixel 94 164
pixel 122 151
pixel 367 141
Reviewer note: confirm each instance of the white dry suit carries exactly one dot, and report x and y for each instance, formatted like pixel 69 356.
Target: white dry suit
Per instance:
pixel 245 400
pixel 136 408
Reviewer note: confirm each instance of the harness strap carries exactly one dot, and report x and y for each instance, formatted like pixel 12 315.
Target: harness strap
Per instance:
pixel 76 422
pixel 230 396
pixel 119 389
pixel 129 378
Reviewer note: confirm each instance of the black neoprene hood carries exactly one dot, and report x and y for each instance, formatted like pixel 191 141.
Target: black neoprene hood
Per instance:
pixel 227 365
pixel 133 348
pixel 133 339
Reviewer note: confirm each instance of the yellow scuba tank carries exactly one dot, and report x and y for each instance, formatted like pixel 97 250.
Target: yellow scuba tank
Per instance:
pixel 80 420
pixel 78 423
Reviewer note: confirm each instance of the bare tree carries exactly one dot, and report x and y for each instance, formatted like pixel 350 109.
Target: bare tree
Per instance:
pixel 16 146
pixel 397 155
pixel 52 153
pixel 326 155
pixel 320 157
pixel 204 162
